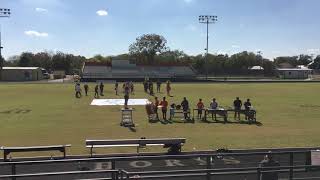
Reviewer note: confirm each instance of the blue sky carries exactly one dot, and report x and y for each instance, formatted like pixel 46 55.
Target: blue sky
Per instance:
pixel 108 27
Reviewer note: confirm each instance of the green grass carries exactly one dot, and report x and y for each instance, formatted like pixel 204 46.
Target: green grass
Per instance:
pixel 289 114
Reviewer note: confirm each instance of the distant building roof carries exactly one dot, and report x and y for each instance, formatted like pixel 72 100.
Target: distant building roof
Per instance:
pixel 285 65
pixel 294 69
pixel 21 68
pixel 256 68
pixel 98 64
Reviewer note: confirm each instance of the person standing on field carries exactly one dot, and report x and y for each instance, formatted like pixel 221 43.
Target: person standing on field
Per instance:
pixel 237 108
pixel 185 108
pixel 164 108
pixel 126 96
pixel 96 91
pixel 116 87
pixel 200 107
pixel 78 90
pixel 247 107
pixel 86 88
pixel 168 88
pixel 156 104
pixel 158 86
pixel 101 89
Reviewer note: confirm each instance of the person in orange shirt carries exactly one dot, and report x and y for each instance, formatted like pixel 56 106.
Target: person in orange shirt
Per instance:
pixel 200 107
pixel 164 108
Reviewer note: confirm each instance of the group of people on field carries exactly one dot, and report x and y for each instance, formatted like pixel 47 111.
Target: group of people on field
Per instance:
pixel 237 105
pixel 98 90
pixel 149 88
pixel 164 105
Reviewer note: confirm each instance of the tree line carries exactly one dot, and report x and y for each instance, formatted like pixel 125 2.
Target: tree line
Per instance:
pixel 152 49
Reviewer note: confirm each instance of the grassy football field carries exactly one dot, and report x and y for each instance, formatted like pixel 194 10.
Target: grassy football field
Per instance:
pixel 48 114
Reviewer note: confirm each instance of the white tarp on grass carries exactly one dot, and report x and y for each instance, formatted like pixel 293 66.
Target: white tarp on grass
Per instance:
pixel 118 102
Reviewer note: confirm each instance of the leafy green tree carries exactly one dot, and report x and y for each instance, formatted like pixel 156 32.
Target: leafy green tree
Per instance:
pixel 292 60
pixel 148 45
pixel 316 63
pixel 12 61
pixel 60 61
pixel 26 59
pixel 304 59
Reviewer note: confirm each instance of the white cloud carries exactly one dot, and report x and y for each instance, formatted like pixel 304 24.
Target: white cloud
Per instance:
pixel 32 33
pixel 41 10
pixel 235 46
pixel 313 51
pixel 102 13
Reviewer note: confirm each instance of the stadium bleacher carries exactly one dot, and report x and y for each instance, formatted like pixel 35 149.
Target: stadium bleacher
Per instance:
pixel 124 69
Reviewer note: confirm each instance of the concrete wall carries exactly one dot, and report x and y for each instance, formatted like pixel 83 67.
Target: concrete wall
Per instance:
pixel 22 74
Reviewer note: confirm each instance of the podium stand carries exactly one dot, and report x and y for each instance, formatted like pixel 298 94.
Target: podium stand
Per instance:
pixel 126 117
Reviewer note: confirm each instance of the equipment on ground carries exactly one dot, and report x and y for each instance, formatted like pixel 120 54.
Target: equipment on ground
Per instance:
pixel 126 117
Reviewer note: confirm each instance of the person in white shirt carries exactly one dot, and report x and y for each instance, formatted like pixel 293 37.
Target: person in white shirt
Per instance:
pixel 214 104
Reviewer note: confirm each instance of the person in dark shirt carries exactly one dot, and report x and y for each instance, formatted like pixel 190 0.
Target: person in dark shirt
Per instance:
pixel 101 89
pixel 126 96
pixel 96 91
pixel 86 89
pixel 145 86
pixel 158 86
pixel 247 104
pixel 185 108
pixel 131 87
pixel 151 88
pixel 156 104
pixel 269 162
pixel 116 87
pixel 237 107
pixel 247 107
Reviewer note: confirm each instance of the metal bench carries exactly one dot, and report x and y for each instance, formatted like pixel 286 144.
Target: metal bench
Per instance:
pixel 174 144
pixel 8 150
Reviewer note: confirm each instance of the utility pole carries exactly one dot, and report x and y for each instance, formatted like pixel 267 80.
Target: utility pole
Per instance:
pixel 207 19
pixel 3 13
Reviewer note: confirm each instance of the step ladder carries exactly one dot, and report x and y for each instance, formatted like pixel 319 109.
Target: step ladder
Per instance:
pixel 126 117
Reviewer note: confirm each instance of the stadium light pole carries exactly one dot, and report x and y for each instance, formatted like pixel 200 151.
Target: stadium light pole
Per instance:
pixel 261 58
pixel 207 19
pixel 4 12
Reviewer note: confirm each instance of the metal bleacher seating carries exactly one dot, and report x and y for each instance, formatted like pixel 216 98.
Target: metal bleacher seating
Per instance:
pixel 124 69
pixel 96 72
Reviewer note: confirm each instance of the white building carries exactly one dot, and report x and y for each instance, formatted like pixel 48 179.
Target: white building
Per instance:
pixel 294 73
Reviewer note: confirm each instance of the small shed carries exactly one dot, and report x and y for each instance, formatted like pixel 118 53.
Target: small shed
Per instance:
pixel 294 73
pixel 21 74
